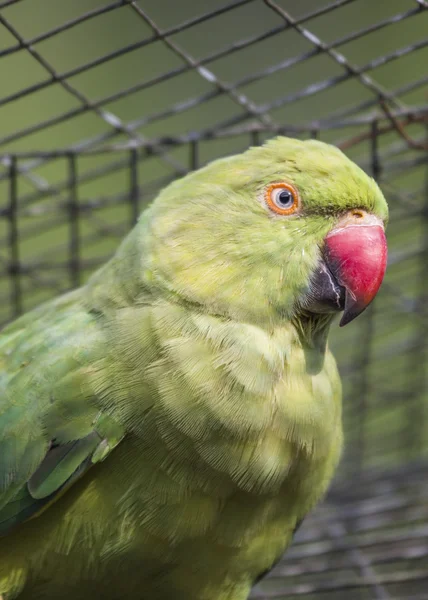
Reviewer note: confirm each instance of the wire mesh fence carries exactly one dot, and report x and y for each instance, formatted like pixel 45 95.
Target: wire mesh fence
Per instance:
pixel 104 103
pixel 368 542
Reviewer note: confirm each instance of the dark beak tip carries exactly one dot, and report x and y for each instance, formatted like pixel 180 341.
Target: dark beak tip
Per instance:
pixel 352 310
pixel 346 319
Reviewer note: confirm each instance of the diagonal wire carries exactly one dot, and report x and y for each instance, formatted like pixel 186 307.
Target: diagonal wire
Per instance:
pixel 96 62
pixel 338 57
pixel 337 531
pixel 6 3
pixel 40 183
pixel 321 10
pixel 192 102
pixel 325 84
pixel 305 92
pixel 64 27
pixel 362 106
pixel 206 74
pixel 108 117
pixel 226 51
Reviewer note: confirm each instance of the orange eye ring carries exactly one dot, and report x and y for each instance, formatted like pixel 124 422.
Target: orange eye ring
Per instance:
pixel 282 198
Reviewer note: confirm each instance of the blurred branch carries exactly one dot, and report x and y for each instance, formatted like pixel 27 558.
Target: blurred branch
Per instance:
pixel 399 128
pixel 394 124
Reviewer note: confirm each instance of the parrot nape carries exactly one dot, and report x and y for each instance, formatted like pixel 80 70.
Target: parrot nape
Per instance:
pixel 165 428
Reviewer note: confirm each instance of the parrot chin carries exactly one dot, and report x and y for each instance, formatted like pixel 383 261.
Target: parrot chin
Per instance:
pixel 351 269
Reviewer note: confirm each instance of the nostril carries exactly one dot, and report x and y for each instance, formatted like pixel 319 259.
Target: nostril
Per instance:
pixel 358 214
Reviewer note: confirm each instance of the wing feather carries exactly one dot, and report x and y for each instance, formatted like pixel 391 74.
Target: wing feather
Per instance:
pixel 51 428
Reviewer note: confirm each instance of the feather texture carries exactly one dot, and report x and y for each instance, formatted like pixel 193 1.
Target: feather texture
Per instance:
pixel 165 428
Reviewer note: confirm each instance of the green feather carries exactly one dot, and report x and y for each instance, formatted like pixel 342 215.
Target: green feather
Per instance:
pixel 187 370
pixel 59 465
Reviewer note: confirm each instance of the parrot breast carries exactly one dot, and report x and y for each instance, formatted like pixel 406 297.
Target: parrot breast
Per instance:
pixel 230 442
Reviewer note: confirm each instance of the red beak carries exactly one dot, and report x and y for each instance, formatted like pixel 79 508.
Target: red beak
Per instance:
pixel 356 254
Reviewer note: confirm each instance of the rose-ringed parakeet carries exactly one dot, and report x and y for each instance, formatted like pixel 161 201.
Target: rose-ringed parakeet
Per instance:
pixel 164 428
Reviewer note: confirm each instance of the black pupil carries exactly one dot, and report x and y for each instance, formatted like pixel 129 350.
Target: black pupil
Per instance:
pixel 285 198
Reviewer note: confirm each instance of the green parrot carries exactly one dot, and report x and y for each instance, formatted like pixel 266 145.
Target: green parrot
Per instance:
pixel 166 427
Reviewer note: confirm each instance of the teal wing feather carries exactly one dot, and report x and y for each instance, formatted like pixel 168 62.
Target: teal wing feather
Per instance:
pixel 51 479
pixel 51 428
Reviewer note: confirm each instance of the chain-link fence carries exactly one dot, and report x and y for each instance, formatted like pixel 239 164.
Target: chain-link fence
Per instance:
pixel 102 104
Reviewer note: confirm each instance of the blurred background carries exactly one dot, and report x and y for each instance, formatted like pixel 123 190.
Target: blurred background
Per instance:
pixel 103 103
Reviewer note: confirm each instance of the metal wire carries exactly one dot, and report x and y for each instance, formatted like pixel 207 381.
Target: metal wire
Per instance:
pixel 172 89
pixel 369 541
pixel 45 206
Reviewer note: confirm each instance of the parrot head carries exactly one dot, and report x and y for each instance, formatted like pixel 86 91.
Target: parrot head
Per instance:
pixel 285 229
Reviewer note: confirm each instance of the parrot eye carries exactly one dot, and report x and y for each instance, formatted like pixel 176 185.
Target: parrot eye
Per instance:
pixel 282 198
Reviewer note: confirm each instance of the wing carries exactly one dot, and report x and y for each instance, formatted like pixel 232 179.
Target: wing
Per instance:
pixel 51 428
